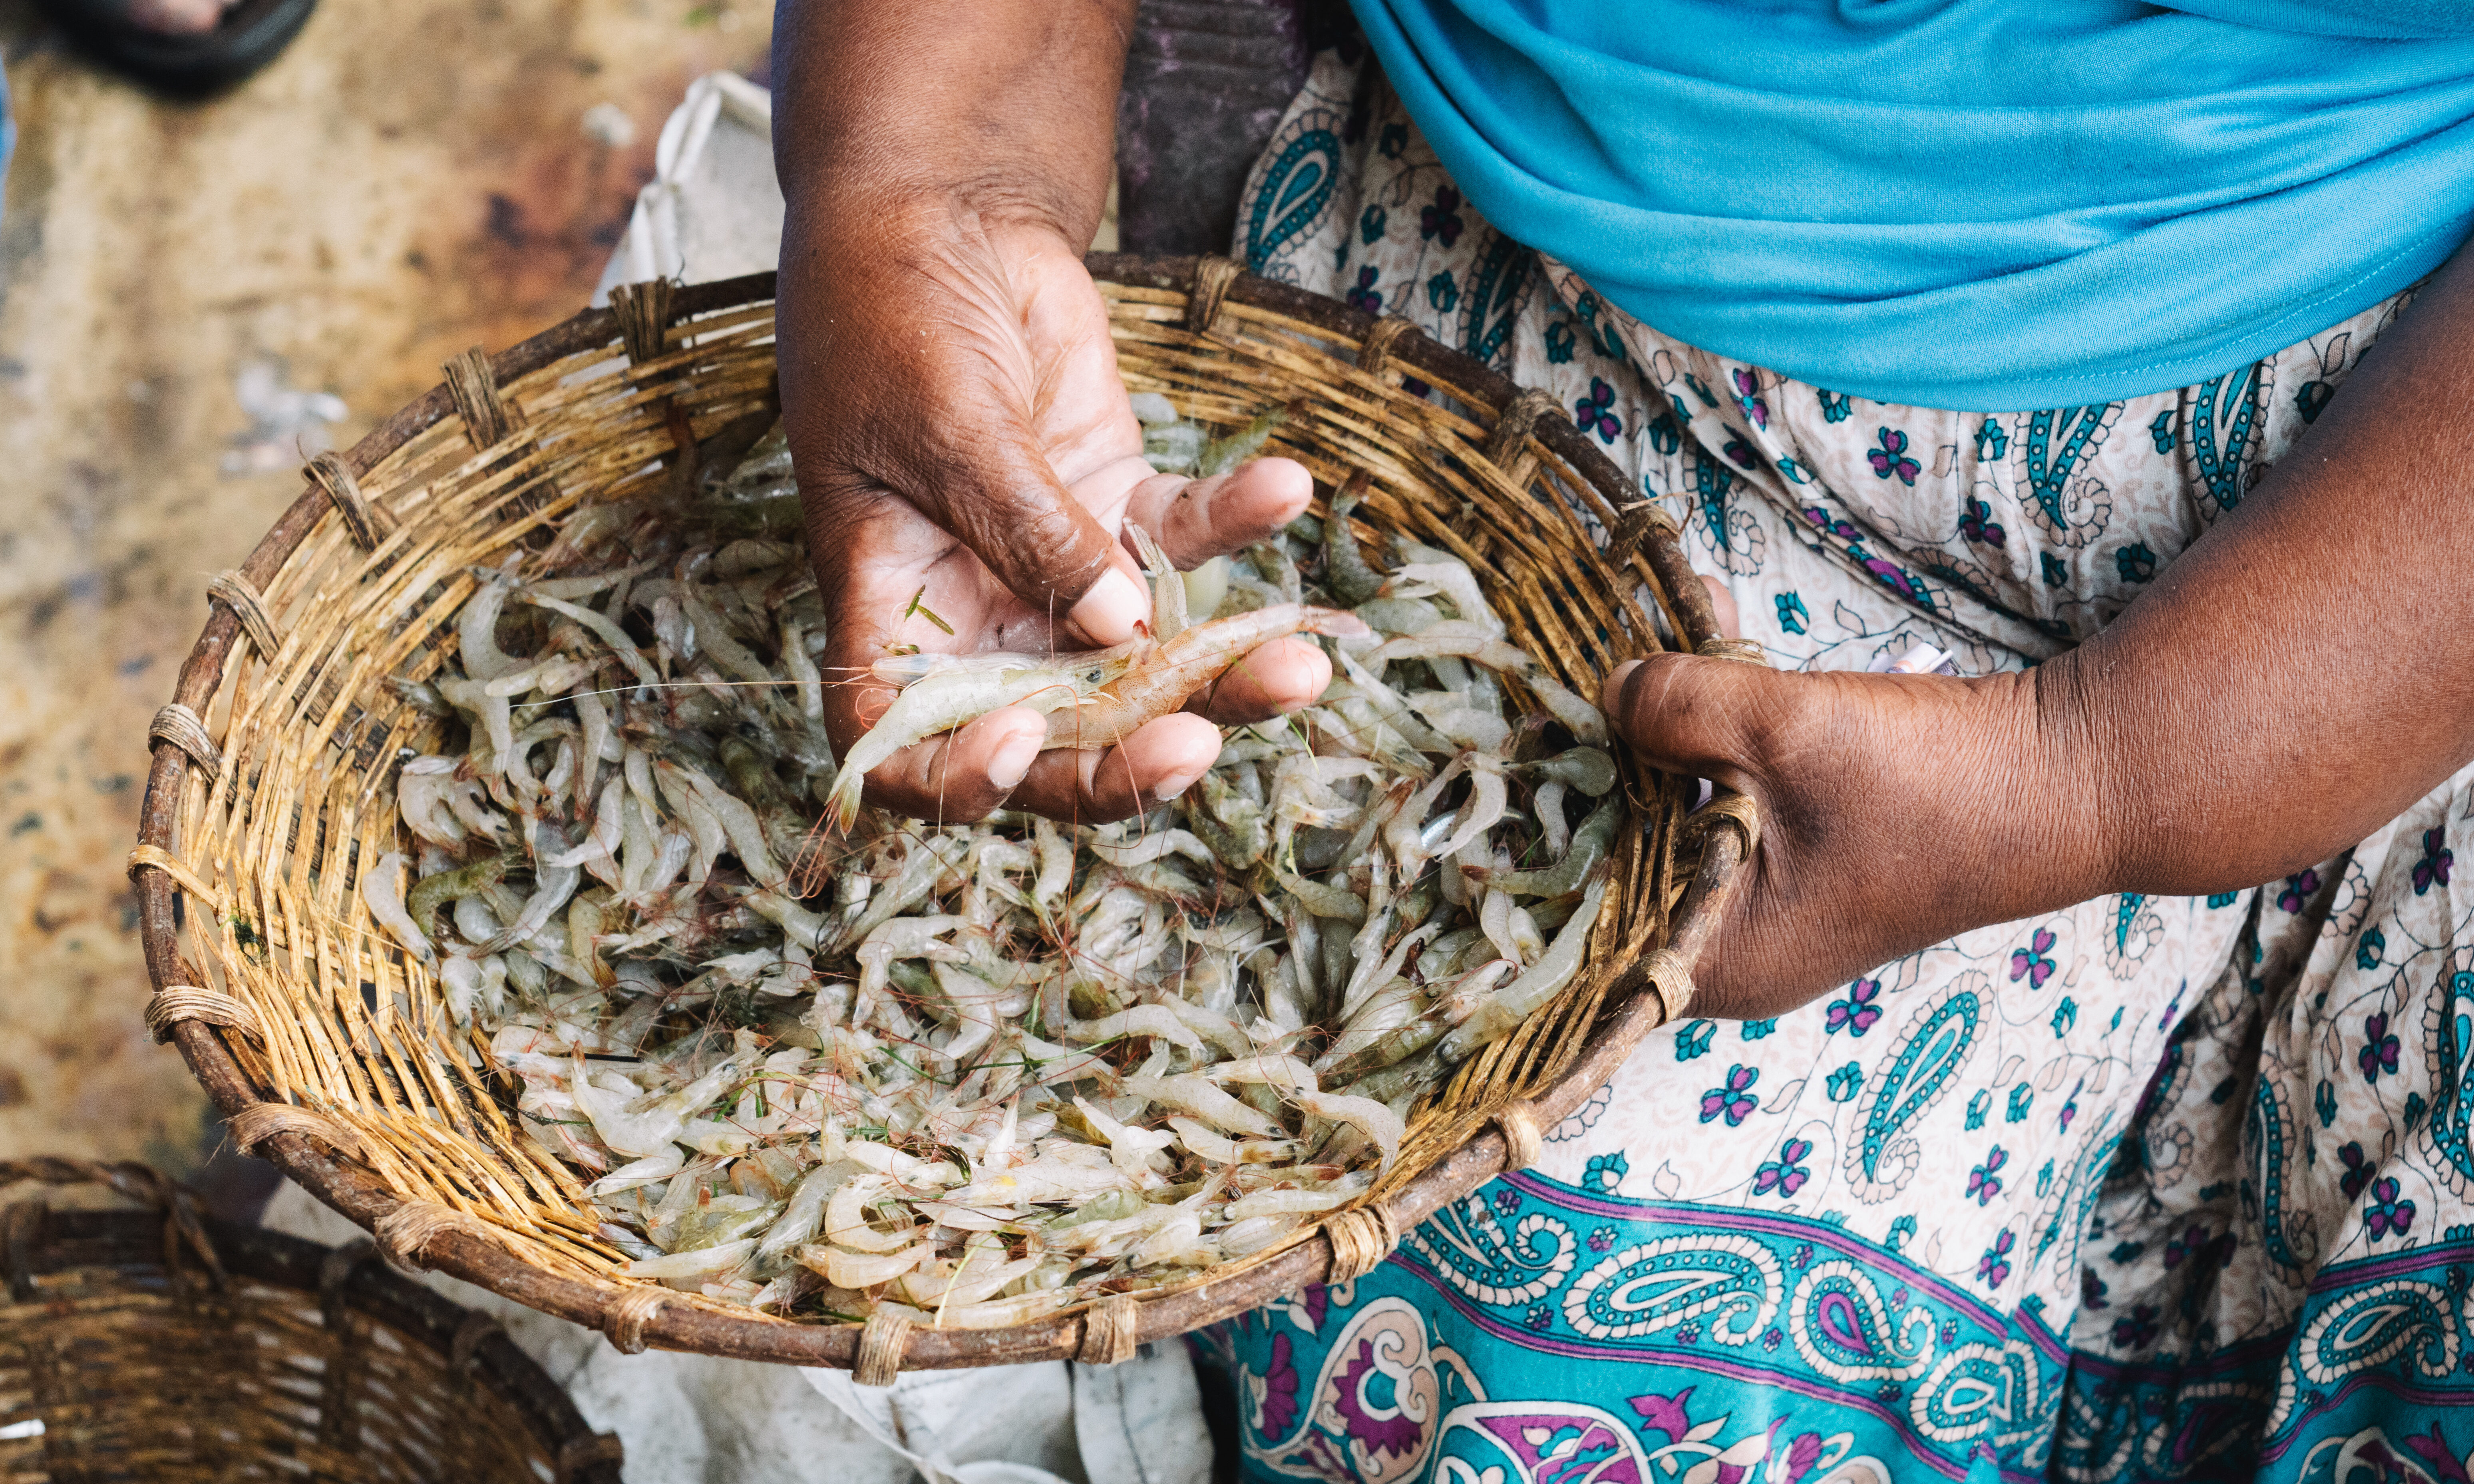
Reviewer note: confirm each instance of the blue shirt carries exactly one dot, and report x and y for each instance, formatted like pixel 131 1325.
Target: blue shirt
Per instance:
pixel 1983 205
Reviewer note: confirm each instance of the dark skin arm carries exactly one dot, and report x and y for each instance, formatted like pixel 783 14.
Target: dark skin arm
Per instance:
pixel 2292 682
pixel 951 397
pixel 2296 677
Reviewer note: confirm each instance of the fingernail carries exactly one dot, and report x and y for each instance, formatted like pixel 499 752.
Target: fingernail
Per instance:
pixel 1112 609
pixel 1172 788
pixel 1012 760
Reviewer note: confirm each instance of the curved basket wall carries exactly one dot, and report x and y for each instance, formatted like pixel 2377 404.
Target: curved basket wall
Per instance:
pixel 269 785
pixel 151 1344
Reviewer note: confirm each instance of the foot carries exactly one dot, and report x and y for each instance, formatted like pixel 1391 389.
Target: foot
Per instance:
pixel 178 17
pixel 184 48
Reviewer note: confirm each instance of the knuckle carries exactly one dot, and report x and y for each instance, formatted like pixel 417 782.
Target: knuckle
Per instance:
pixel 1108 789
pixel 1033 540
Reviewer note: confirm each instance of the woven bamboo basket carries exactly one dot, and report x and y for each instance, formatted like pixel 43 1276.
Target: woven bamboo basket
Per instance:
pixel 271 777
pixel 157 1344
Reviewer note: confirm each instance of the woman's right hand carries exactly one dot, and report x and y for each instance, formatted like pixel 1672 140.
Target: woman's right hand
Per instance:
pixel 964 445
pixel 966 455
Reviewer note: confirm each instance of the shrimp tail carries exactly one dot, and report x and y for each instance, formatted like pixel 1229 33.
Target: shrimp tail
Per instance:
pixel 842 804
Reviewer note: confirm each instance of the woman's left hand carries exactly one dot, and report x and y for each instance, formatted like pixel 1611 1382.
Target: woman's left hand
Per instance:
pixel 1894 809
pixel 2291 682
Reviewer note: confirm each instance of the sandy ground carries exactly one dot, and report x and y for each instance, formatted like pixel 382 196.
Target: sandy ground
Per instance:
pixel 181 288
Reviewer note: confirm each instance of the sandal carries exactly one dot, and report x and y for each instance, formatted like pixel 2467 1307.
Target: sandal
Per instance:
pixel 247 36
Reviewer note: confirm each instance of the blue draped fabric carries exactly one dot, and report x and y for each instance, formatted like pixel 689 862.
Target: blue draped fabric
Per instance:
pixel 8 130
pixel 1995 204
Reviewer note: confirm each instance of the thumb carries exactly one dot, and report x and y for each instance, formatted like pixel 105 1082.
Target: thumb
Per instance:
pixel 1694 714
pixel 1004 500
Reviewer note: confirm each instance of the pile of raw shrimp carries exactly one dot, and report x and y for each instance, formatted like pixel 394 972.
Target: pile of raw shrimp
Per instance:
pixel 818 1059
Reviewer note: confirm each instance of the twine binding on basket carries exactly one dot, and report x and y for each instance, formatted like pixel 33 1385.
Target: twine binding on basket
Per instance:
pixel 259 1122
pixel 175 1003
pixel 1108 1330
pixel 1212 277
pixel 1728 808
pixel 628 1316
pixel 644 311
pixel 366 526
pixel 171 865
pixel 1666 972
pixel 186 729
pixel 474 387
pixel 582 1453
pixel 237 593
pixel 1376 349
pixel 143 1184
pixel 140 1183
pixel 406 1233
pixel 1360 1241
pixel 1518 1121
pixel 1507 447
pixel 1633 527
pixel 1720 647
pixel 882 1342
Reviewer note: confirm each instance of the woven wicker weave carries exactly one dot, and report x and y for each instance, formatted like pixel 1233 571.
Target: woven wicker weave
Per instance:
pixel 271 769
pixel 155 1345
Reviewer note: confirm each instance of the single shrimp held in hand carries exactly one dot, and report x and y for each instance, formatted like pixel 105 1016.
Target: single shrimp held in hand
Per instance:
pixel 1168 675
pixel 949 695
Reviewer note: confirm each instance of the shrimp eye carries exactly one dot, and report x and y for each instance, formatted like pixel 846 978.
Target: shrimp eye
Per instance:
pixel 1093 676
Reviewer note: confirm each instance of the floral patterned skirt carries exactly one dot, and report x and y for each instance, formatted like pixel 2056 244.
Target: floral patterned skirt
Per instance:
pixel 2145 1188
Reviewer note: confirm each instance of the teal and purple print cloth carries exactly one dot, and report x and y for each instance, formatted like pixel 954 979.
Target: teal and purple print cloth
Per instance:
pixel 2148 1188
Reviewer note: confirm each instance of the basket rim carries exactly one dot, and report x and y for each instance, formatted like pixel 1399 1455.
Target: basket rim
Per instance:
pixel 1630 1011
pixel 69 1239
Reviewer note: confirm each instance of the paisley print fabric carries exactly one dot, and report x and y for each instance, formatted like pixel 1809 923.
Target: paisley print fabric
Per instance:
pixel 2155 1188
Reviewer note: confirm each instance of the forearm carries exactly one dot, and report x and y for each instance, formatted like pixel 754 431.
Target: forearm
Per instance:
pixel 1004 107
pixel 944 165
pixel 2306 670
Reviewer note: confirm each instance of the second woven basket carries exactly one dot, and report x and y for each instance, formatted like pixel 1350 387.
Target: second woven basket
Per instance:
pixel 154 1344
